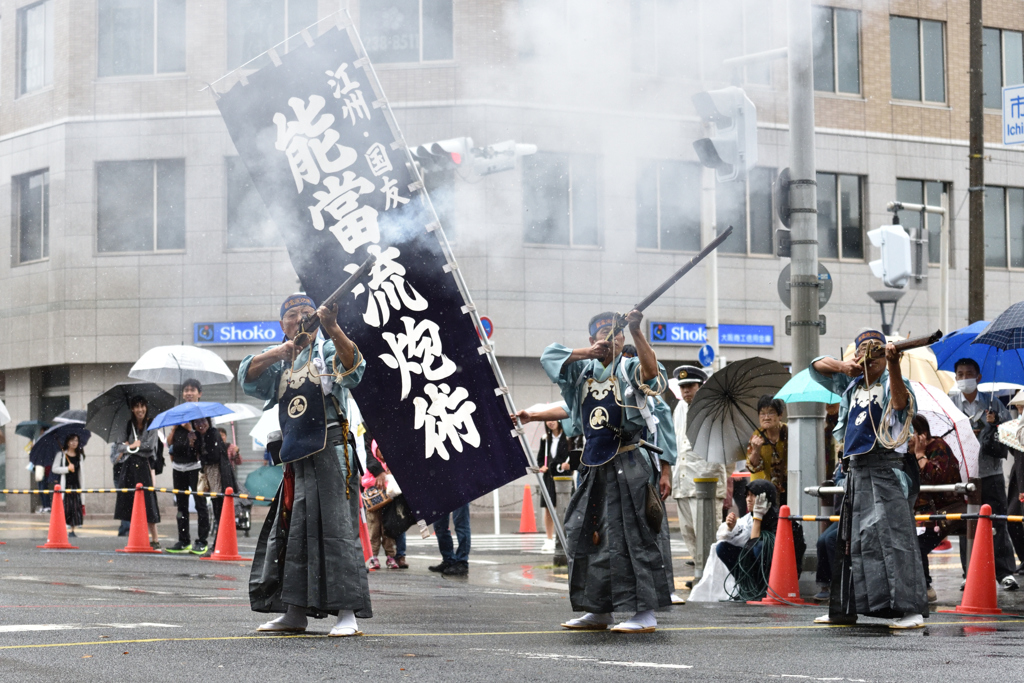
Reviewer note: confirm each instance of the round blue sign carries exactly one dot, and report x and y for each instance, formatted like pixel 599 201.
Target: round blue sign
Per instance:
pixel 706 355
pixel 488 326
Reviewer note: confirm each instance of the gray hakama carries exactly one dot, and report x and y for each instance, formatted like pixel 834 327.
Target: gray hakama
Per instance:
pixel 885 560
pixel 626 570
pixel 315 559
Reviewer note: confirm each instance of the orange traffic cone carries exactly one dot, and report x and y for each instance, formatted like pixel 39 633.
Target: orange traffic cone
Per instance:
pixel 980 591
pixel 364 533
pixel 57 536
pixel 138 532
pixel 527 520
pixel 226 547
pixel 784 580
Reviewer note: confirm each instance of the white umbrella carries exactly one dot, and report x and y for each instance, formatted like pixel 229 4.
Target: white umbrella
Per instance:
pixel 239 412
pixel 945 420
pixel 267 424
pixel 1000 388
pixel 175 364
pixel 5 416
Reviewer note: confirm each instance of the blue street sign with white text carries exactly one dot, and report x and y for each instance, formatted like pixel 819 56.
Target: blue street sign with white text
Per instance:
pixel 1013 115
pixel 695 334
pixel 265 332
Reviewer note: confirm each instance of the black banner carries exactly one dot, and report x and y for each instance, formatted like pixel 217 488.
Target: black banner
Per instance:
pixel 322 148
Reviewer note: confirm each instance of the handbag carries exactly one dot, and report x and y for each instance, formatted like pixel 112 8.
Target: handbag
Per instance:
pixel 374 499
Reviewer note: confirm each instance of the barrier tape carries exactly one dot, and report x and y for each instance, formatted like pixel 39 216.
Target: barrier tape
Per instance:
pixel 144 488
pixel 920 518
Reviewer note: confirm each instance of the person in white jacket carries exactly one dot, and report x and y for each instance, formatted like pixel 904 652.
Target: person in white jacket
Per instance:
pixel 716 583
pixel 690 465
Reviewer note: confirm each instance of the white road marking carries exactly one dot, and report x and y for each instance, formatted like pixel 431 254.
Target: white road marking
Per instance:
pixel 19 628
pixel 595 660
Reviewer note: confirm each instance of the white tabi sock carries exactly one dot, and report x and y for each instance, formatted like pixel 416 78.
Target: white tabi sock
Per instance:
pixel 595 618
pixel 293 618
pixel 346 624
pixel 645 618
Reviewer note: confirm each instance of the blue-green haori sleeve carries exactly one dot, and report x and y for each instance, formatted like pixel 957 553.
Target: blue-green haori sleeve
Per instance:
pixel 264 386
pixel 666 431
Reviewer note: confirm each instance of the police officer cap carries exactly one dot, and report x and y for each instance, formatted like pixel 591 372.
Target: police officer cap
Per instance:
pixel 690 374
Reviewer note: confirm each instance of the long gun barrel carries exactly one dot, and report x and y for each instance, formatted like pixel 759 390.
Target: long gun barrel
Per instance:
pixel 714 244
pixel 310 323
pixel 908 344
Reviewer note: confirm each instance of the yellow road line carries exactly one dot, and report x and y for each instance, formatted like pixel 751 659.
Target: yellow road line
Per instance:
pixel 478 633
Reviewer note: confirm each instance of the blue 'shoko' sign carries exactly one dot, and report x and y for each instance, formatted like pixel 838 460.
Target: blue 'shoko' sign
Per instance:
pixel 696 334
pixel 265 332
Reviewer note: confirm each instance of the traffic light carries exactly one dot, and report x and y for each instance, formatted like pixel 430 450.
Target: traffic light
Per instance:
pixel 895 267
pixel 444 155
pixel 732 150
pixel 459 153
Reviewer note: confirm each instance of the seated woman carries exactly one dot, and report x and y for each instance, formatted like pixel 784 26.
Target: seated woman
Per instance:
pixel 744 547
pixel 938 465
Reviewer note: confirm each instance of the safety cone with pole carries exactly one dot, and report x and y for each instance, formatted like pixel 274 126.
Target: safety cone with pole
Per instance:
pixel 57 536
pixel 226 546
pixel 138 532
pixel 980 589
pixel 527 520
pixel 364 533
pixel 784 580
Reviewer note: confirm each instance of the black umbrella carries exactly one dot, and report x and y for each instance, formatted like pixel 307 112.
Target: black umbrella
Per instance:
pixel 109 413
pixel 1006 331
pixel 30 429
pixel 45 448
pixel 723 414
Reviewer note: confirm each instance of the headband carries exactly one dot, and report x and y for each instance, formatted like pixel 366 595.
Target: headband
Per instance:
pixel 601 321
pixel 869 335
pixel 294 301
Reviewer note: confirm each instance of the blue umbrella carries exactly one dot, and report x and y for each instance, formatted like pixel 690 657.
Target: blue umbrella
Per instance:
pixel 186 412
pixel 996 365
pixel 803 389
pixel 46 446
pixel 1006 331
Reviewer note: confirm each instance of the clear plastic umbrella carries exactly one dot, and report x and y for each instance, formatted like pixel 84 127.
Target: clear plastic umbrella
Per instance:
pixel 5 416
pixel 175 364
pixel 261 430
pixel 723 414
pixel 945 420
pixel 239 412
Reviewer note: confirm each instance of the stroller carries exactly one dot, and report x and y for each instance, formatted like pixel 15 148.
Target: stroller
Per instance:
pixel 243 513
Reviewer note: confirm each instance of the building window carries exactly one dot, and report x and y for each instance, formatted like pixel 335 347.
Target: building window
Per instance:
pixel 32 208
pixel 249 223
pixel 1004 227
pixel 836 50
pixel 141 205
pixel 917 63
pixel 928 193
pixel 560 199
pixel 141 37
pixel 407 30
pixel 669 209
pixel 665 37
pixel 54 391
pixel 668 206
pixel 840 220
pixel 255 26
pixel 35 28
pixel 1002 63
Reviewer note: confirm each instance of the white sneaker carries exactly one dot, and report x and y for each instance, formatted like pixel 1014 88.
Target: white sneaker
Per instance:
pixel 589 622
pixel 908 621
pixel 549 547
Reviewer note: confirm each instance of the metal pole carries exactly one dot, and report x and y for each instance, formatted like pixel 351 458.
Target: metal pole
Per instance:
pixel 805 419
pixel 497 511
pixel 944 266
pixel 708 220
pixel 976 237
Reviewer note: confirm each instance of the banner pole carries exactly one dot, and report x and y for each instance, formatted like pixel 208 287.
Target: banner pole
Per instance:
pixel 453 268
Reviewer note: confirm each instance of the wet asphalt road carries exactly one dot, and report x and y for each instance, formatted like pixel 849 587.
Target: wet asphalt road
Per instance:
pixel 93 614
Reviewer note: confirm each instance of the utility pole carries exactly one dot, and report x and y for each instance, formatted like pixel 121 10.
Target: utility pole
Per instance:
pixel 805 419
pixel 976 230
pixel 709 230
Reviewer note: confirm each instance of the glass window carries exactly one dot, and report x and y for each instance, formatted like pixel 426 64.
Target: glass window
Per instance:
pixel 140 205
pixel 255 26
pixel 36 46
pixel 929 193
pixel 249 222
pixel 560 199
pixel 840 216
pixel 668 206
pixel 141 37
pixel 407 30
pixel 1003 63
pixel 836 50
pixel 917 59
pixel 1004 227
pixel 32 199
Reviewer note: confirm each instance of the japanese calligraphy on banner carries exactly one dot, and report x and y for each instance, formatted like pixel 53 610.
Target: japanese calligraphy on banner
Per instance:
pixel 318 140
